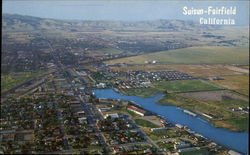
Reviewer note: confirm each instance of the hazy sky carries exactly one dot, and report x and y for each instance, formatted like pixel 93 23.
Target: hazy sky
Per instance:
pixel 120 10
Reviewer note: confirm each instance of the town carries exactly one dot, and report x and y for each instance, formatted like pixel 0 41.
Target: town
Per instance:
pixel 49 104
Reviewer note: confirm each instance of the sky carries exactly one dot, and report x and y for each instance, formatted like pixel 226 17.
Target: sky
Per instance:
pixel 139 10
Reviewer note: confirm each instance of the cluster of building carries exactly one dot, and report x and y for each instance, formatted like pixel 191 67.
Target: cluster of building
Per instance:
pixel 169 75
pixel 243 110
pixel 134 79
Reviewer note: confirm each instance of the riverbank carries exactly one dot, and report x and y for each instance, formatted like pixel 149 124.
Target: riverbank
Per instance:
pixel 214 112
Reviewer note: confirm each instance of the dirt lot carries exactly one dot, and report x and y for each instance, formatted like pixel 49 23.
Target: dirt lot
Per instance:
pixel 214 95
pixel 152 119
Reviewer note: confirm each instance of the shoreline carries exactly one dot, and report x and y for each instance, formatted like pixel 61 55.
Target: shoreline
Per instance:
pixel 187 127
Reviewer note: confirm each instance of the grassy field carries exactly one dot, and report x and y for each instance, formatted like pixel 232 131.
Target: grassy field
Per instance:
pixel 15 78
pixel 239 83
pixel 171 87
pixel 224 117
pixel 195 152
pixel 192 55
pixel 141 92
pixel 145 123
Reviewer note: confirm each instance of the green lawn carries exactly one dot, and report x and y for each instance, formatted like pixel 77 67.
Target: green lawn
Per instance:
pixel 145 123
pixel 15 78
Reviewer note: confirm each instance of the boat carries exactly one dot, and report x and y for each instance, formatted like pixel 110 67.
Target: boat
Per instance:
pixel 190 113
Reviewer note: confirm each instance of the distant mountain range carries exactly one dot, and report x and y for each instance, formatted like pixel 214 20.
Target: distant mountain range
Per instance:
pixel 139 36
pixel 16 22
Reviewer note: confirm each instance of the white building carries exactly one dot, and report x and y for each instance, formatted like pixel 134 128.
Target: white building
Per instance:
pixel 111 115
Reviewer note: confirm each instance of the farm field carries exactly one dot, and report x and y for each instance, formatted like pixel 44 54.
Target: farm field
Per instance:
pixel 238 83
pixel 192 55
pixel 15 78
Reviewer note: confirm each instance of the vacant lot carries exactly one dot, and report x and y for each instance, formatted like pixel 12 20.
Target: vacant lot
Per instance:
pixel 192 55
pixel 239 83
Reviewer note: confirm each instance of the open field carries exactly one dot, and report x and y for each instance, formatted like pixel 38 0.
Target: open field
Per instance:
pixel 185 86
pixel 171 87
pixel 204 70
pixel 192 55
pixel 15 78
pixel 223 117
pixel 213 95
pixel 238 83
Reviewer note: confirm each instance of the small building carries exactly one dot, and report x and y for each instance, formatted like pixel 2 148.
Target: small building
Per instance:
pixel 115 115
pixel 101 85
pixel 137 110
pixel 104 109
pixel 83 120
pixel 80 113
pixel 158 129
pixel 179 126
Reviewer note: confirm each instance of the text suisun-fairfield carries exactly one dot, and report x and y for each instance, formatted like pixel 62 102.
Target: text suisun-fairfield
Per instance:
pixel 212 11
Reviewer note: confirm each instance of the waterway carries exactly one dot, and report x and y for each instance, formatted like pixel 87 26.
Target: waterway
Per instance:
pixel 237 141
